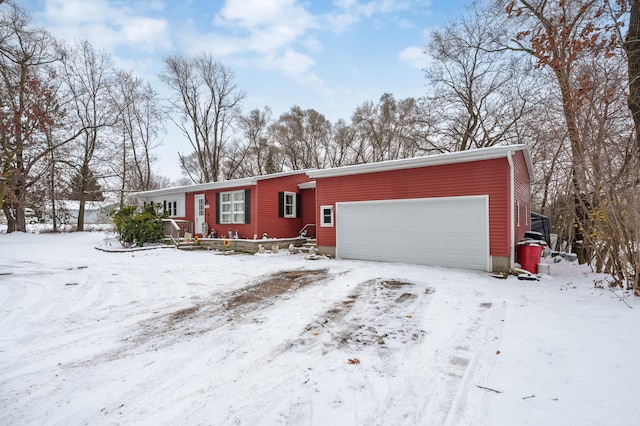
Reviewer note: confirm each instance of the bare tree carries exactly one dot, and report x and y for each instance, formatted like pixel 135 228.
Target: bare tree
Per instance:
pixel 301 136
pixel 478 92
pixel 254 127
pixel 559 35
pixel 389 129
pixel 341 151
pixel 613 169
pixel 206 102
pixel 140 125
pixel 89 77
pixel 25 53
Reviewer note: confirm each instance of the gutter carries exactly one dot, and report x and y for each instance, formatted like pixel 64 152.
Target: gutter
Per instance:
pixel 511 207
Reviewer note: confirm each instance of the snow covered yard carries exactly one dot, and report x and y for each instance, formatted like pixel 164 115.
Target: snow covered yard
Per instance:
pixel 172 337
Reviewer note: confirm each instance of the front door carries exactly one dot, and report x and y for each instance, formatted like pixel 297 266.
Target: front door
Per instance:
pixel 199 213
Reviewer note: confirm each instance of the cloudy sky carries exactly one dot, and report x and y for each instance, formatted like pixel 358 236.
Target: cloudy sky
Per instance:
pixel 329 55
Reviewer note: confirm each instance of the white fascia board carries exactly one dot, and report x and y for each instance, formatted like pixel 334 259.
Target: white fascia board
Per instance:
pixel 282 174
pixel 430 160
pixel 215 185
pixel 307 185
pixel 196 188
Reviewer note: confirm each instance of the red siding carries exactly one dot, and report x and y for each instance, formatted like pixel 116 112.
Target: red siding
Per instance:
pixel 189 213
pixel 244 230
pixel 309 210
pixel 473 178
pixel 522 196
pixel 264 209
pixel 267 202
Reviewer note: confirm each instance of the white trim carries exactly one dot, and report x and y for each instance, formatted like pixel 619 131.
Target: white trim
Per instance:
pixel 512 182
pixel 291 215
pixel 322 223
pixel 431 160
pixel 232 202
pixel 201 187
pixel 170 206
pixel 307 185
pixel 198 220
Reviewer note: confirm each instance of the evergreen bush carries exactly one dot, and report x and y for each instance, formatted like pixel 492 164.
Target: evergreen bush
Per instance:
pixel 136 227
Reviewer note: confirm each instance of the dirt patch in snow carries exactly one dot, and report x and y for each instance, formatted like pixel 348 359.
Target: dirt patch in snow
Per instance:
pixel 210 314
pixel 274 286
pixel 253 296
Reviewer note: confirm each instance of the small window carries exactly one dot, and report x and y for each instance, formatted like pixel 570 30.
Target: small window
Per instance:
pixel 289 204
pixel 232 207
pixel 326 216
pixel 171 207
pixel 200 206
pixel 518 213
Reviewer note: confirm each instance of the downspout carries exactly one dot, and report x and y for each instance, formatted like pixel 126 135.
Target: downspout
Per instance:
pixel 511 204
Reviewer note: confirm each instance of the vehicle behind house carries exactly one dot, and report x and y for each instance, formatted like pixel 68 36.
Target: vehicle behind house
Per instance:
pixel 30 216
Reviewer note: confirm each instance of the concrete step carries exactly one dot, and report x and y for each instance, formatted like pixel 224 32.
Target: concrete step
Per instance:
pixel 309 245
pixel 189 246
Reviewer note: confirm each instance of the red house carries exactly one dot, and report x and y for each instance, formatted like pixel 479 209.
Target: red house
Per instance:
pixel 274 204
pixel 464 209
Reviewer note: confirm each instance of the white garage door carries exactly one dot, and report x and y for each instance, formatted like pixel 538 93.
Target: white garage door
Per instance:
pixel 451 231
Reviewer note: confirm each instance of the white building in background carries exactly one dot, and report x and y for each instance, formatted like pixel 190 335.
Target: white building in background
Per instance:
pixel 95 212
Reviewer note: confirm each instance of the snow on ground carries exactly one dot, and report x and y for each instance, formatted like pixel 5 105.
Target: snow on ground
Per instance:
pixel 176 337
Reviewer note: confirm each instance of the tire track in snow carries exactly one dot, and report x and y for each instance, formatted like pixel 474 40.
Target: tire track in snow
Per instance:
pixel 444 376
pixel 330 381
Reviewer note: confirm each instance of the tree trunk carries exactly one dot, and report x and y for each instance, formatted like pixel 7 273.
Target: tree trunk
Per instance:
pixel 632 46
pixel 577 163
pixel 11 220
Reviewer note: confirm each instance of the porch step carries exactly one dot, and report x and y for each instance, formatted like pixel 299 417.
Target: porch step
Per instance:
pixel 183 245
pixel 309 244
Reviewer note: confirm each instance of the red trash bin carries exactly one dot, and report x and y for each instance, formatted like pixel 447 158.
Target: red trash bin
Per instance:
pixel 529 256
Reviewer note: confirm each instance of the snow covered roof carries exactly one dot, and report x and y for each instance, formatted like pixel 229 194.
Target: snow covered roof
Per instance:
pixel 430 160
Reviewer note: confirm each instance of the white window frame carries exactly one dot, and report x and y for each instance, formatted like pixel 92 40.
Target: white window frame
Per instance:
pixel 291 205
pixel 171 207
pixel 322 216
pixel 234 201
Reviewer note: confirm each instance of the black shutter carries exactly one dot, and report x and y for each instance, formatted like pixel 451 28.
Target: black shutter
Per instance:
pixel 280 204
pixel 217 208
pixel 247 206
pixel 298 205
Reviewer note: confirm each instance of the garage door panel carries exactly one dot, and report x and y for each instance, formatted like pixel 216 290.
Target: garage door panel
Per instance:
pixel 449 231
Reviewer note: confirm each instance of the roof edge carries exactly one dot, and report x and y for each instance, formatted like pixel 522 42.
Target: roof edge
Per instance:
pixel 425 161
pixel 250 181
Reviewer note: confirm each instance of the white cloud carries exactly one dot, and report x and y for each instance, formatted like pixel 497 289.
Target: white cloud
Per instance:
pixel 414 57
pixel 295 63
pixel 351 12
pixel 108 26
pixel 218 44
pixel 270 25
pixel 146 33
pixel 255 13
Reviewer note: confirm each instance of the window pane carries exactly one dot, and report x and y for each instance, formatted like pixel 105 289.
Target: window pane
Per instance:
pixel 232 207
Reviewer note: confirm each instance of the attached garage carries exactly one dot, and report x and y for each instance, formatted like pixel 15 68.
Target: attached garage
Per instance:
pixel 448 231
pixel 462 209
